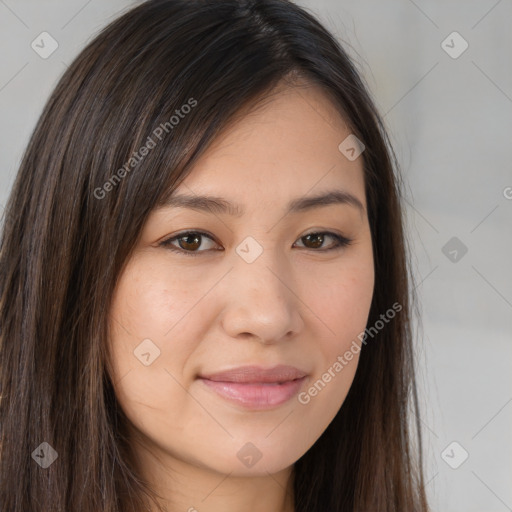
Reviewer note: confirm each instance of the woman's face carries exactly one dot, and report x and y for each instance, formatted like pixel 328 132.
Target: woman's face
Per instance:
pixel 253 290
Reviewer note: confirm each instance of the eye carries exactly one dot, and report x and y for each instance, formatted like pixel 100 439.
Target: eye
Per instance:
pixel 188 242
pixel 316 239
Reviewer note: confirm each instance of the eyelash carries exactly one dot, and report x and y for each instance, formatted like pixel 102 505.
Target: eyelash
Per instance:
pixel 340 242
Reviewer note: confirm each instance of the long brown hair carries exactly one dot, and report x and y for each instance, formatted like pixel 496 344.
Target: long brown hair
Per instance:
pixel 77 207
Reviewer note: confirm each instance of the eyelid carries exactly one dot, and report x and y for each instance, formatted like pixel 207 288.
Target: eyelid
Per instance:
pixel 167 242
pixel 341 241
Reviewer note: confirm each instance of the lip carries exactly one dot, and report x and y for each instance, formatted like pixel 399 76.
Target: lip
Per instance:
pixel 254 387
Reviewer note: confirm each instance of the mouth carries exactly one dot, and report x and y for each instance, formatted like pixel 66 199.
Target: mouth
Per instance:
pixel 254 387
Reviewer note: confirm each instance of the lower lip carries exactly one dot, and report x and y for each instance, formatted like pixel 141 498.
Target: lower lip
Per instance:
pixel 254 395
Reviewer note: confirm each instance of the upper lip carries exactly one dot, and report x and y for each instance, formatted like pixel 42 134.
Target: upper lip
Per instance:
pixel 256 374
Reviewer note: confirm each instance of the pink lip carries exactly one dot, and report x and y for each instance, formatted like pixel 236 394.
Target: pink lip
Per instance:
pixel 256 388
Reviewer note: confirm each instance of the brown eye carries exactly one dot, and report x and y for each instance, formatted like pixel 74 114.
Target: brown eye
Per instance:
pixel 188 243
pixel 316 240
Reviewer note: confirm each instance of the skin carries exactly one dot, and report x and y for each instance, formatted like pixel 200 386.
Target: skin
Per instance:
pixel 295 304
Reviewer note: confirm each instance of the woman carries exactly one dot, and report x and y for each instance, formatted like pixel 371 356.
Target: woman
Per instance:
pixel 204 286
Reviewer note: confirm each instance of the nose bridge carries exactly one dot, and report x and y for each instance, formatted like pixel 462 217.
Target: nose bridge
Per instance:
pixel 259 296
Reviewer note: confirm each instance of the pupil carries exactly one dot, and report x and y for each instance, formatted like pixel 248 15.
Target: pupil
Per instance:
pixel 319 239
pixel 186 242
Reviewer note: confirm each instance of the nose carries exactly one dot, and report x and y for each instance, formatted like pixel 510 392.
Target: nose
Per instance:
pixel 260 301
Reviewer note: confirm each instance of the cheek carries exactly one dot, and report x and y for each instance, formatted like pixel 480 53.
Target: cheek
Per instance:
pixel 147 309
pixel 144 313
pixel 155 311
pixel 342 300
pixel 143 304
pixel 152 299
pixel 347 306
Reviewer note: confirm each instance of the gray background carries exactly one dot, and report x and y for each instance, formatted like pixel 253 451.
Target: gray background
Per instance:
pixel 450 121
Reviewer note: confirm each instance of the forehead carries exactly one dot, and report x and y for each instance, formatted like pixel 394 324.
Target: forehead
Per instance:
pixel 286 147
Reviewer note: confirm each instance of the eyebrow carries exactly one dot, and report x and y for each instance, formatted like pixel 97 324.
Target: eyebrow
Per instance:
pixel 215 204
